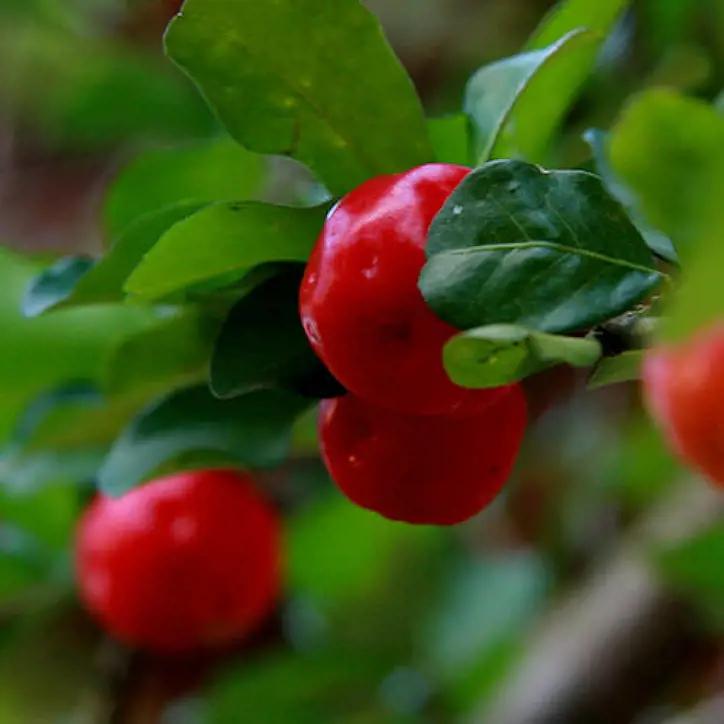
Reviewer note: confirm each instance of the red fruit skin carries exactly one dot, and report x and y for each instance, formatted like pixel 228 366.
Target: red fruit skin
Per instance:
pixel 360 304
pixel 430 469
pixel 186 562
pixel 684 390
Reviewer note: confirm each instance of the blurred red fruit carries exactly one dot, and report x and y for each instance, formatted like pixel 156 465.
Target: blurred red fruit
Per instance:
pixel 185 562
pixel 684 389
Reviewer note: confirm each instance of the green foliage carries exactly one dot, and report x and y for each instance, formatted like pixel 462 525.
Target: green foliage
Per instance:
pixel 340 573
pixel 252 430
pixel 472 637
pixel 42 353
pixel 72 282
pixel 518 103
pixel 494 245
pixel 693 567
pixel 450 138
pixel 223 242
pixel 515 93
pixel 670 152
pixel 54 284
pixel 659 243
pixel 170 353
pixel 502 353
pixel 80 92
pixel 215 170
pixel 598 16
pixel 264 67
pixel 621 368
pixel 262 344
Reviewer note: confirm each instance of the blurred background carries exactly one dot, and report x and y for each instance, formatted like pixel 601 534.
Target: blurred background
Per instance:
pixel 592 591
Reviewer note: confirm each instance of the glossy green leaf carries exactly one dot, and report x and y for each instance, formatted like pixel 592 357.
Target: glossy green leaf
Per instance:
pixel 55 283
pixel 498 96
pixel 549 250
pixel 253 430
pixel 74 282
pixel 564 48
pixel 624 367
pixel 659 243
pixel 503 353
pixel 225 241
pixel 262 344
pixel 450 137
pixel 266 68
pixel 203 172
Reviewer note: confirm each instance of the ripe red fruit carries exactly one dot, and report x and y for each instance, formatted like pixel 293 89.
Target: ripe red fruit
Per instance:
pixel 360 304
pixel 684 388
pixel 185 562
pixel 421 469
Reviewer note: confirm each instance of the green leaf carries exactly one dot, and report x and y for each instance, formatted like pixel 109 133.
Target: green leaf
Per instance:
pixel 570 38
pixel 55 283
pixel 206 171
pixel 549 250
pixel 38 354
pixel 262 344
pixel 172 352
pixel 515 94
pixel 66 284
pixel 315 81
pixel 694 568
pixel 624 367
pixel 450 137
pixel 253 430
pixel 225 241
pixel 502 353
pixel 598 16
pixel 669 151
pixel 659 243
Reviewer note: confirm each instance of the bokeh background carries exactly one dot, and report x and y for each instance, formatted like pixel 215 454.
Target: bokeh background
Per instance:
pixel 592 591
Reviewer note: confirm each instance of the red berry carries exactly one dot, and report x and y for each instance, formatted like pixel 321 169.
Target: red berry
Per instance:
pixel 684 388
pixel 421 469
pixel 185 562
pixel 359 300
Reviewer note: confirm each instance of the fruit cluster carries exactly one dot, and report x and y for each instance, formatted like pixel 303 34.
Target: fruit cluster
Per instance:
pixel 191 561
pixel 406 441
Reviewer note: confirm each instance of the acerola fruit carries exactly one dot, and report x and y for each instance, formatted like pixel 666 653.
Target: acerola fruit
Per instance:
pixel 684 389
pixel 186 562
pixel 360 304
pixel 431 469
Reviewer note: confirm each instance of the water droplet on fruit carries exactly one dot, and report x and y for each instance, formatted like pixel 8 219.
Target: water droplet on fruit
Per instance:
pixel 457 210
pixel 310 327
pixel 370 269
